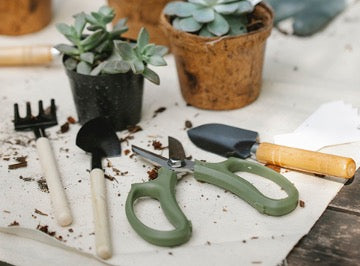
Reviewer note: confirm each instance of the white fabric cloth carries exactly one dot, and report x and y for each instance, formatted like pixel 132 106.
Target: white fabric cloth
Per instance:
pixel 299 76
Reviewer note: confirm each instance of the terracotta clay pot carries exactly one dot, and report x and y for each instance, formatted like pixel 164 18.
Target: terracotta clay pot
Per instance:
pixel 220 73
pixel 24 16
pixel 141 13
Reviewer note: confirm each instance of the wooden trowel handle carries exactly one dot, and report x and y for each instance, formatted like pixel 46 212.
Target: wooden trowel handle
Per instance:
pixel 307 161
pixel 25 55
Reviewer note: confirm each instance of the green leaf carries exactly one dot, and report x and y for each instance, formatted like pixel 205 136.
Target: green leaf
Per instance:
pixel 88 57
pixel 237 24
pixel 125 50
pixel 199 2
pixel 83 68
pixel 106 11
pixel 226 9
pixel 70 63
pixel 204 15
pixel 67 49
pixel 219 26
pixel 180 9
pixel 113 67
pixel 137 66
pixel 91 20
pixel 97 70
pixel 157 60
pixel 120 24
pixel 244 7
pixel 189 24
pixel 149 49
pixel 151 76
pixel 205 33
pixel 92 39
pixel 161 50
pixel 176 23
pixel 143 39
pixel 63 28
pixel 80 22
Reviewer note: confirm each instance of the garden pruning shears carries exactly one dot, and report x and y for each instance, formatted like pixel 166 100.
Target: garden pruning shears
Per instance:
pixel 219 174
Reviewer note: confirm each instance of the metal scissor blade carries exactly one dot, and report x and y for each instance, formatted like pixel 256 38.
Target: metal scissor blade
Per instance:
pixel 153 157
pixel 176 150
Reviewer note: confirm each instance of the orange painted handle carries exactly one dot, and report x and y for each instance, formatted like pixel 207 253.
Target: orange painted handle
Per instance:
pixel 307 161
pixel 25 55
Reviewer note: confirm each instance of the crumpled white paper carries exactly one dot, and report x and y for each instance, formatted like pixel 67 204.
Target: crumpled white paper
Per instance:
pixel 332 123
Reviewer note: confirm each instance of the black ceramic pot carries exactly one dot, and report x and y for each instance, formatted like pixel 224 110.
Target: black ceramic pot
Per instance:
pixel 115 96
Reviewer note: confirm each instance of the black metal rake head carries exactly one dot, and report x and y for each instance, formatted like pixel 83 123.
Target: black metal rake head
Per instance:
pixel 43 120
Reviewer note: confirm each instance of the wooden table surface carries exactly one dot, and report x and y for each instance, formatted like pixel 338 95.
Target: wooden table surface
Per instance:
pixel 335 238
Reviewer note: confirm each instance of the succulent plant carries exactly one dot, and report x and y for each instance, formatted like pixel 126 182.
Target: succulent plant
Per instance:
pixel 211 17
pixel 99 51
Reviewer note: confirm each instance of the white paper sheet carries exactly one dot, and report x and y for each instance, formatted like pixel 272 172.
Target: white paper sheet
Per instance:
pixel 227 231
pixel 332 123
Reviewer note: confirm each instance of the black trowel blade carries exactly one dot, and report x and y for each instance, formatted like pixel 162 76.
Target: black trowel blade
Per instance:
pixel 224 140
pixel 98 135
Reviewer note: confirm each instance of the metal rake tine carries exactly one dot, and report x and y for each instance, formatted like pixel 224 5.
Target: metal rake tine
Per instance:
pixel 28 110
pixel 16 113
pixel 53 108
pixel 41 108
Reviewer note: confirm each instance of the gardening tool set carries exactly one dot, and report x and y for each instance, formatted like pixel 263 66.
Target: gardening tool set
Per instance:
pixel 99 138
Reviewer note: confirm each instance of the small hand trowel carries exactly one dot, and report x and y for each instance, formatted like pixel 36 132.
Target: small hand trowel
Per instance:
pixel 98 137
pixel 231 141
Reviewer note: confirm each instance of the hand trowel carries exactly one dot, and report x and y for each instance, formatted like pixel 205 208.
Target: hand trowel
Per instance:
pixel 232 141
pixel 98 137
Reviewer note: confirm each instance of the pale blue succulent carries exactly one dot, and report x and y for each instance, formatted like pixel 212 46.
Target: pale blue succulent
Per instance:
pixel 210 17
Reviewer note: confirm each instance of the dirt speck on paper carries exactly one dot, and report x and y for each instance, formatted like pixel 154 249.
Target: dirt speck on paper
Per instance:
pixel 21 162
pixel 157 145
pixel 65 127
pixel 301 203
pixel 158 111
pixel 110 177
pixel 188 124
pixel 40 212
pixel 153 173
pixel 71 120
pixel 14 223
pixel 43 185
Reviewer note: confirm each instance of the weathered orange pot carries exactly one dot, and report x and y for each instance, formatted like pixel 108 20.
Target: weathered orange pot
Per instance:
pixel 24 16
pixel 220 73
pixel 141 13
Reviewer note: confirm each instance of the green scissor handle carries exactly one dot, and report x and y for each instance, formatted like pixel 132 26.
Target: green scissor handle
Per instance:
pixel 222 175
pixel 163 190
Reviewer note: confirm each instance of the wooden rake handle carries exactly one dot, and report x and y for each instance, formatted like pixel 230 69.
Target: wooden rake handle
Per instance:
pixel 307 161
pixel 25 55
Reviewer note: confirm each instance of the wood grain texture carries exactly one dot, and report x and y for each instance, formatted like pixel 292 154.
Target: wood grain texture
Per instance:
pixel 25 55
pixel 24 16
pixel 220 73
pixel 307 161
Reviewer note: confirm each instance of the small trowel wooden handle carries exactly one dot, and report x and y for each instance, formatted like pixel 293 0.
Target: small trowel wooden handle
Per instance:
pixel 307 161
pixel 25 55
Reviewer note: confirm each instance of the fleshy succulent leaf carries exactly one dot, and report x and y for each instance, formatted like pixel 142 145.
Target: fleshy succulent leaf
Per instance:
pixel 219 26
pixel 226 9
pixel 151 76
pixel 157 60
pixel 189 24
pixel 143 39
pixel 204 15
pixel 115 66
pixel 67 49
pixel 180 9
pixel 87 57
pixel 83 68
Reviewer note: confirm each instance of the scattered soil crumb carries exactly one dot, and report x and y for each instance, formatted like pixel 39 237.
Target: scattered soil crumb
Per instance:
pixel 158 111
pixel 45 229
pixel 71 230
pixel 109 164
pixel 40 212
pixel 21 163
pixel 157 145
pixel 43 185
pixel 256 262
pixel 170 253
pixel 111 178
pixel 188 124
pixel 254 237
pixel 6 159
pixel 65 127
pixel 134 129
pixel 208 243
pixel 26 179
pixel 71 120
pixel 126 152
pixel 14 223
pixel 273 167
pixel 224 209
pixel 6 211
pixel 244 241
pixel 153 173
pixel 301 203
